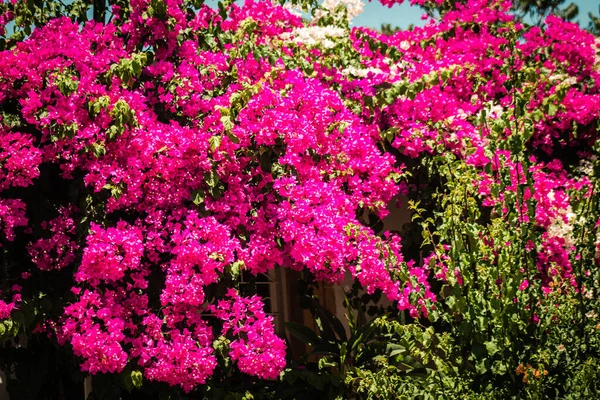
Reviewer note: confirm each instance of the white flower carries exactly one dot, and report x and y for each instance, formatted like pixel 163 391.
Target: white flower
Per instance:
pixel 597 244
pixel 360 72
pixel 319 13
pixel 293 10
pixel 328 44
pixel 497 111
pixel 570 81
pixel 586 167
pixel 559 228
pixel 461 113
pixel 353 7
pixel 566 79
pixel 315 35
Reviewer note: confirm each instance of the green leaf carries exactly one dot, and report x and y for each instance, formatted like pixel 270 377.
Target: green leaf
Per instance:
pixel 316 381
pixel 326 363
pixel 8 324
pixel 478 350
pixel 234 139
pixel 334 323
pixel 99 104
pixel 394 349
pixel 11 120
pixel 303 333
pixel 210 40
pixel 492 348
pixel 137 378
pixel 198 196
pixel 227 123
pixel 67 85
pixel 236 268
pixel 499 368
pixel 277 170
pixel 157 9
pixel 211 178
pixel 222 10
pixel 98 149
pixel 537 115
pixel 122 113
pixel 482 366
pixel 214 142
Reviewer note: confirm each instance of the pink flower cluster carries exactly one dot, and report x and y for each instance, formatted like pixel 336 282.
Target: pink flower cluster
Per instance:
pixel 179 353
pixel 58 250
pixel 19 160
pixel 110 253
pixel 256 348
pixel 12 215
pixel 267 171
pixel 7 308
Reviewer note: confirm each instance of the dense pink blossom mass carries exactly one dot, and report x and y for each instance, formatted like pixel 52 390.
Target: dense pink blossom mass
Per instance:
pixel 185 146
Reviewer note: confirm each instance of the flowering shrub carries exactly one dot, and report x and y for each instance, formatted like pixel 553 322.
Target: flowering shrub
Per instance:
pixel 149 158
pixel 256 349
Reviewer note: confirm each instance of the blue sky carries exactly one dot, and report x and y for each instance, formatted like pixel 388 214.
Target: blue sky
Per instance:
pixel 402 15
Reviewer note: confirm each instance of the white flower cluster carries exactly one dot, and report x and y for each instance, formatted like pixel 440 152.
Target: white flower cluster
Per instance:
pixel 492 111
pixel 586 166
pixel 559 228
pixel 496 111
pixel 395 69
pixel 353 8
pixel 360 72
pixel 588 294
pixel 315 35
pixel 566 79
pixel 293 10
